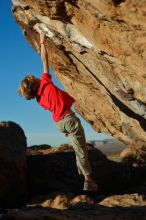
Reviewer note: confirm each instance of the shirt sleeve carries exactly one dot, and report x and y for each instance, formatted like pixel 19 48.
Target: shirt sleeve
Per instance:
pixel 46 77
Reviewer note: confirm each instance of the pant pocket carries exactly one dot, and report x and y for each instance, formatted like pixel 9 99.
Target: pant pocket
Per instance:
pixel 60 126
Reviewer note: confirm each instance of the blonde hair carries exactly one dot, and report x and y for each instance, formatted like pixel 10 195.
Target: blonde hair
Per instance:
pixel 29 87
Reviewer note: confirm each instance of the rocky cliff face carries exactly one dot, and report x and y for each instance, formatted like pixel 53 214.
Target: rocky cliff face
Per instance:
pixel 97 49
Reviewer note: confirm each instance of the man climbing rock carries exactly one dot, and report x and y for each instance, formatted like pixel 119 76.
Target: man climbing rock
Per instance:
pixel 59 103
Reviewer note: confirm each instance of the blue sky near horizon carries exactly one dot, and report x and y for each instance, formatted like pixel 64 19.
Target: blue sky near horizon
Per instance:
pixel 18 58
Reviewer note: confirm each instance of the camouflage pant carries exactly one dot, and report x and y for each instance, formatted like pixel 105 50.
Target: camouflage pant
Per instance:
pixel 72 125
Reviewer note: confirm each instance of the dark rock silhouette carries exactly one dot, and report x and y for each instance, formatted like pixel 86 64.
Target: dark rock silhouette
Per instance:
pixel 56 170
pixel 55 189
pixel 12 165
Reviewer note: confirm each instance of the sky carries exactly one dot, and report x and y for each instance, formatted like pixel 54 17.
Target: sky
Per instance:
pixel 17 59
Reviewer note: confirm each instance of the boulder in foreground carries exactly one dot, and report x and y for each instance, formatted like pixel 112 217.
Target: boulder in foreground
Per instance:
pixel 12 165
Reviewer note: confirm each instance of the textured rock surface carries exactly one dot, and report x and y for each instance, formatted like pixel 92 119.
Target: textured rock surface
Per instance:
pixel 12 165
pixel 134 156
pixel 98 52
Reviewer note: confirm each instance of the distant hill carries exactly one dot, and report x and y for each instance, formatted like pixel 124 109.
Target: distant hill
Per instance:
pixel 108 145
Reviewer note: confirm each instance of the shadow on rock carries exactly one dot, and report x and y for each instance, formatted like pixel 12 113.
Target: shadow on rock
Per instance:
pixel 57 172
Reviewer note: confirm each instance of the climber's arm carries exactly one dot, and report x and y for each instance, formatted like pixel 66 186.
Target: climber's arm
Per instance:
pixel 44 55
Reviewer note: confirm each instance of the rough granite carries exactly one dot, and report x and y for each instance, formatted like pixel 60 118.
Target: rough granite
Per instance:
pixel 97 51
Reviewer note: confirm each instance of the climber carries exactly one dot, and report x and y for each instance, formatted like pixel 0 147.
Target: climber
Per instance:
pixel 59 103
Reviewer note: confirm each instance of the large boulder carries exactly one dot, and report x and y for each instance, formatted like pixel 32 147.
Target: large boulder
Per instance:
pixel 98 52
pixel 134 156
pixel 12 165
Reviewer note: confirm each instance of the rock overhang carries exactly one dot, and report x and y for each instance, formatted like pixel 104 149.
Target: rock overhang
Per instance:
pixel 97 52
